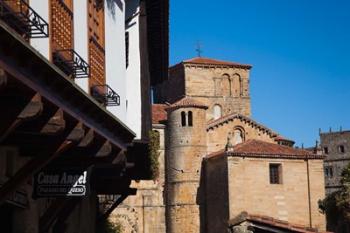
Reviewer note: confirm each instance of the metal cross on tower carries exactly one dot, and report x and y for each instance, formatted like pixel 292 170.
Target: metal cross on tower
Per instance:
pixel 198 49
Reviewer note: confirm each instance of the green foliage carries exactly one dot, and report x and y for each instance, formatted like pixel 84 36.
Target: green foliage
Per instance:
pixel 106 226
pixel 153 152
pixel 336 205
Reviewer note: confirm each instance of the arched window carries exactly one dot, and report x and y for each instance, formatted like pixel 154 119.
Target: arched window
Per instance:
pixel 183 119
pixel 190 119
pixel 217 112
pixel 238 136
pixel 226 85
pixel 237 85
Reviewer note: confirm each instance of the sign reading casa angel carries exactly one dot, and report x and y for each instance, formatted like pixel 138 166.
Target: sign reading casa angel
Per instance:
pixel 61 182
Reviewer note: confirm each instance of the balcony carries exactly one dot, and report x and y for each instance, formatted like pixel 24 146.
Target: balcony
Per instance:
pixel 105 95
pixel 71 63
pixel 23 19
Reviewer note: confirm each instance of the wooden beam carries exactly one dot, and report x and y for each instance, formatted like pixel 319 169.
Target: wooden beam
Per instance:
pixel 3 78
pixel 65 213
pixel 59 210
pixel 28 170
pixel 33 139
pixel 51 213
pixel 31 111
pixel 105 215
pixel 77 134
pixel 13 100
pixel 58 146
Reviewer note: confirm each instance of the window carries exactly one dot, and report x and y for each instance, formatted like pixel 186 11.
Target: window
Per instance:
pixel 330 172
pixel 238 136
pixel 275 173
pixel 217 111
pixel 326 171
pixel 325 149
pixel 183 119
pixel 341 149
pixel 127 49
pixel 190 119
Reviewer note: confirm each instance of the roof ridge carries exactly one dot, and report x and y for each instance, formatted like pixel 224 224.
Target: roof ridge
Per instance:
pixel 187 102
pixel 216 122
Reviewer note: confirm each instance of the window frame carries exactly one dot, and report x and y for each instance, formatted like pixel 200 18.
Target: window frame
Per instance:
pixel 275 173
pixel 183 119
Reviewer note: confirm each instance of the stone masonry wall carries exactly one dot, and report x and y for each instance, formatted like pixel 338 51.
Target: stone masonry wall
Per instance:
pixel 217 137
pixel 251 191
pixel 145 212
pixel 335 159
pixel 224 86
pixel 227 87
pixel 186 147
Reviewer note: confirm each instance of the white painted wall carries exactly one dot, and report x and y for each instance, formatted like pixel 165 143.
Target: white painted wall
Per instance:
pixel 115 56
pixel 41 44
pixel 125 82
pixel 133 72
pixel 81 36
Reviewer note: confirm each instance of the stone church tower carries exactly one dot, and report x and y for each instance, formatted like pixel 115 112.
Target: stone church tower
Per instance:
pixel 186 147
pixel 223 86
pixel 203 105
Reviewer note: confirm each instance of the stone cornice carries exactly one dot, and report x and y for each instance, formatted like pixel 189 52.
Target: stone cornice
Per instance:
pixel 211 125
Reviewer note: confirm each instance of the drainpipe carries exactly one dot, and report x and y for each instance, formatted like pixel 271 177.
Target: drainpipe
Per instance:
pixel 308 190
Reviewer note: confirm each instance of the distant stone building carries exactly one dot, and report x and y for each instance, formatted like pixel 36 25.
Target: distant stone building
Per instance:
pixel 263 179
pixel 336 148
pixel 218 162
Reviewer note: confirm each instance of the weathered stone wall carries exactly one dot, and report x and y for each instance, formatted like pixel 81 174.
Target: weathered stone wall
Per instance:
pixel 185 149
pixel 217 136
pixel 317 192
pixel 217 202
pixel 335 159
pixel 250 190
pixel 174 88
pixel 145 212
pixel 227 87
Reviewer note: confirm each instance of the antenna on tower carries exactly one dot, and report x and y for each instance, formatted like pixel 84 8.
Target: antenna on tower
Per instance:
pixel 199 49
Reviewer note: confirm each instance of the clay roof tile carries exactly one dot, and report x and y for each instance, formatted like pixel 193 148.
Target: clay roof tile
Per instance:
pixel 187 102
pixel 209 61
pixel 159 114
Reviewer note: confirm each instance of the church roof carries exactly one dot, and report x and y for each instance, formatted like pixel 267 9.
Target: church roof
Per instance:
pixel 158 113
pixel 224 119
pixel 210 61
pixel 257 148
pixel 272 222
pixel 187 102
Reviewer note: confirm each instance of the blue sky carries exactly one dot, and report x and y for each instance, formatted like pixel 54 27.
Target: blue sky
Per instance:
pixel 300 52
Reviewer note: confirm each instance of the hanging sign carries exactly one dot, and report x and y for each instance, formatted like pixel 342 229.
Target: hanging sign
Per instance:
pixel 61 182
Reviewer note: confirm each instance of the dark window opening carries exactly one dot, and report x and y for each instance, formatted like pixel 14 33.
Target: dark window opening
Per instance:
pixel 325 149
pixel 275 174
pixel 330 172
pixel 341 149
pixel 183 119
pixel 127 49
pixel 326 171
pixel 190 119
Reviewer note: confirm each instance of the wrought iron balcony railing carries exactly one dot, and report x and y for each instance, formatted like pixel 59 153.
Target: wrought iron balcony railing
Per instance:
pixel 105 95
pixel 71 63
pixel 23 19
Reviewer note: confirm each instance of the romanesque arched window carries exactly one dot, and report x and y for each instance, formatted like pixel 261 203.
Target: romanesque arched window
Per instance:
pixel 183 119
pixel 238 136
pixel 237 85
pixel 217 111
pixel 226 85
pixel 190 119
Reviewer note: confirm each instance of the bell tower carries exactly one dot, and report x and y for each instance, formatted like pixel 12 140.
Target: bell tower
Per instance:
pixel 186 147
